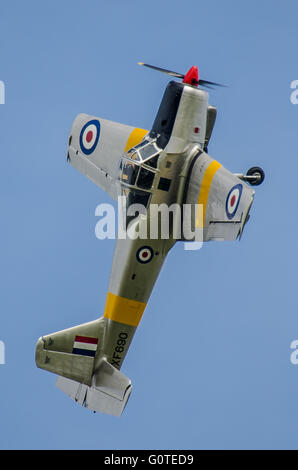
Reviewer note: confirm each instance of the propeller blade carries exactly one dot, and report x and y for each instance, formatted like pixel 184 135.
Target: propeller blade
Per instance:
pixel 187 78
pixel 206 83
pixel 169 72
pixel 206 86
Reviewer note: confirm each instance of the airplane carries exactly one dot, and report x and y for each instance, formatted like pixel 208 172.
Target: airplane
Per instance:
pixel 167 165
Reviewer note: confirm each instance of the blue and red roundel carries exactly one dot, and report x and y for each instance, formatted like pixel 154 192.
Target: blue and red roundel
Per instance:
pixel 144 254
pixel 233 200
pixel 89 136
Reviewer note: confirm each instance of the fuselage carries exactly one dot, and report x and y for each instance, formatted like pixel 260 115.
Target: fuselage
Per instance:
pixel 152 173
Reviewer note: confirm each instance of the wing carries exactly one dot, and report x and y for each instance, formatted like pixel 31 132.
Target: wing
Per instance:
pixel 95 146
pixel 223 198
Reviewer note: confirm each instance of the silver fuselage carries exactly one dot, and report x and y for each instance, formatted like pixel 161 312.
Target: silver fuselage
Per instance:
pixel 132 280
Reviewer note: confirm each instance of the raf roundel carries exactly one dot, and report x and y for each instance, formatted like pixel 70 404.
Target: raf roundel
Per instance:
pixel 233 200
pixel 144 254
pixel 89 136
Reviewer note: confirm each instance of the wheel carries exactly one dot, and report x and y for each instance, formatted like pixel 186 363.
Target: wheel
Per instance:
pixel 255 170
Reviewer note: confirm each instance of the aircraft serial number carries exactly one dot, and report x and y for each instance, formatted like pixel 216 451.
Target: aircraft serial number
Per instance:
pixel 121 342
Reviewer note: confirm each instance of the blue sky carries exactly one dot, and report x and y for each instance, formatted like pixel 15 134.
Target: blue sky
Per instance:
pixel 210 362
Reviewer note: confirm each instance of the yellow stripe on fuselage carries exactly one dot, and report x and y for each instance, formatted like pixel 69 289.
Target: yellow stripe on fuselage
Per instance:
pixel 135 138
pixel 205 189
pixel 124 310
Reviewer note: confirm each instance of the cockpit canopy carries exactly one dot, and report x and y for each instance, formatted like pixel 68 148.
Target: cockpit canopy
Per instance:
pixel 138 166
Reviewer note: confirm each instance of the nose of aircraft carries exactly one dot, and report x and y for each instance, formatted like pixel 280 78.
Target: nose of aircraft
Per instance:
pixel 192 76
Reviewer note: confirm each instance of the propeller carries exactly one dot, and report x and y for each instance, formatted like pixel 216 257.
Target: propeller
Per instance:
pixel 191 77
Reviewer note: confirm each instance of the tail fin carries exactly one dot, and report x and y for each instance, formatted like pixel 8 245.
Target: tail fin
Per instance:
pixel 76 355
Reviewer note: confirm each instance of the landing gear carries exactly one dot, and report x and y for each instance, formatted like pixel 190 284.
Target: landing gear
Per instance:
pixel 255 176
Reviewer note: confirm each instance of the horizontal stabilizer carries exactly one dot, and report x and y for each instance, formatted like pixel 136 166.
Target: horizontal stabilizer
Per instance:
pixel 108 393
pixel 71 352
